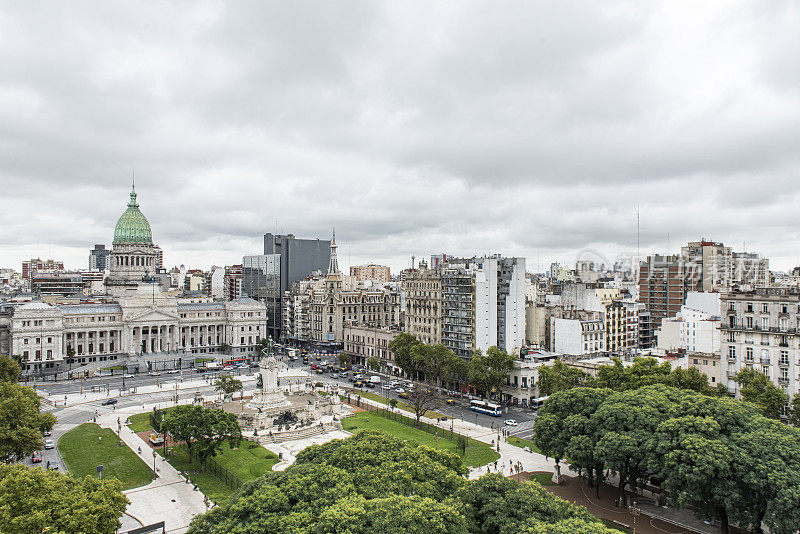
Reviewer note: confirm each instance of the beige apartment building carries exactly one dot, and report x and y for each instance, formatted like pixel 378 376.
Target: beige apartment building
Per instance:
pixel 423 307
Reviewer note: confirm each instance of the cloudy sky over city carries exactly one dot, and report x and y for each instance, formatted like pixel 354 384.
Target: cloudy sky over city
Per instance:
pixel 530 129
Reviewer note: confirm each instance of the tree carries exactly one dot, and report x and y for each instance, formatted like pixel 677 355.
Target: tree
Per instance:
pixel 21 422
pixel 224 348
pixel 488 372
pixel 495 504
pixel 758 389
pixel 401 346
pixel 34 500
pixel 422 399
pixel 202 430
pixel 693 454
pixel 9 369
pixel 373 363
pixel 393 403
pixel 560 377
pixel 344 358
pixel 794 410
pixel 398 513
pixel 227 385
pixel 373 482
pixel 565 429
pixel 627 421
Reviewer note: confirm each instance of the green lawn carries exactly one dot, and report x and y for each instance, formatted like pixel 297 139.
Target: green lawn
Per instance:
pixel 522 443
pixel 82 452
pixel 478 453
pixel 140 422
pixel 250 462
pixel 543 478
pixel 115 368
pixel 400 404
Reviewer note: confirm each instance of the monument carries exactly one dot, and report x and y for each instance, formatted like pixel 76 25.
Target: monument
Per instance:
pixel 270 399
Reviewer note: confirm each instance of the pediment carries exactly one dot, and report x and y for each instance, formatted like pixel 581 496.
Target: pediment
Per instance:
pixel 152 315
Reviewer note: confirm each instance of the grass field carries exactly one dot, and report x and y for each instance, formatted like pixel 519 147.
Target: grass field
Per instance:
pixel 400 404
pixel 252 462
pixel 140 422
pixel 478 453
pixel 522 443
pixel 82 451
pixel 542 477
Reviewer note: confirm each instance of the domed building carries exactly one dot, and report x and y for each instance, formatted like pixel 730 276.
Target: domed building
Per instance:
pixel 133 255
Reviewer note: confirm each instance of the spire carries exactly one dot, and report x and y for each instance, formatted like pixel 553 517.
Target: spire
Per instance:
pixel 132 203
pixel 333 266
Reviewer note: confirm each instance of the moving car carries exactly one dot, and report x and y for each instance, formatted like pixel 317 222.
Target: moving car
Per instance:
pixel 511 422
pixel 46 433
pixel 154 373
pixel 450 402
pixel 127 376
pixel 173 371
pixel 49 444
pixel 52 464
pixel 334 375
pixel 403 395
pixel 109 402
pixel 36 457
pixel 400 390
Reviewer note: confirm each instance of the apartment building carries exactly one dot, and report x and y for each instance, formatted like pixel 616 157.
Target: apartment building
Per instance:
pixel 371 272
pixel 581 334
pixel 760 331
pixel 622 326
pixel 365 342
pixel 718 268
pixel 422 290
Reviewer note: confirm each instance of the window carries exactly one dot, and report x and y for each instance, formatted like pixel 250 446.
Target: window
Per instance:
pixel 748 355
pixel 765 308
pixel 732 353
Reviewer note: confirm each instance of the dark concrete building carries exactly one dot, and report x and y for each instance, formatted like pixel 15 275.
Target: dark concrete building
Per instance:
pixel 98 258
pixel 298 259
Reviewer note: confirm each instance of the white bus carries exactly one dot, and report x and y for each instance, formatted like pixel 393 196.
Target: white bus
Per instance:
pixel 538 402
pixel 486 407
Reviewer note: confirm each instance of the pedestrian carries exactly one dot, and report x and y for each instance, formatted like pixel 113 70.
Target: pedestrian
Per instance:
pixel 99 439
pixel 495 465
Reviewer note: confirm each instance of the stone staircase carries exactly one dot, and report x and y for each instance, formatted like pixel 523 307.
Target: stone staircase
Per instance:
pixel 300 433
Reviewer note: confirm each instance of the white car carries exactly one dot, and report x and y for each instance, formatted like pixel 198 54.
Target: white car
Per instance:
pixel 49 444
pixel 400 390
pixel 154 373
pixel 511 422
pixel 127 376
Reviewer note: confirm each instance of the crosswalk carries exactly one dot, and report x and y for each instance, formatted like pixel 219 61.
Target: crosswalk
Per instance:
pixel 523 430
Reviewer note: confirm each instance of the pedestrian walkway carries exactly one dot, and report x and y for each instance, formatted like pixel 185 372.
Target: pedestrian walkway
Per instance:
pixel 169 497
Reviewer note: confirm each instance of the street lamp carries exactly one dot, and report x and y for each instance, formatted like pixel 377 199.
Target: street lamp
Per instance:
pixel 155 476
pixel 634 513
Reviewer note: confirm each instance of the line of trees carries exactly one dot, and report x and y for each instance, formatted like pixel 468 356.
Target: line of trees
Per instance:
pixel 374 482
pixel 718 455
pixel 436 364
pixel 754 386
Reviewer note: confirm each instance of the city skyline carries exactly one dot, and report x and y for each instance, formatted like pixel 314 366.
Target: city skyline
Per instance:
pixel 536 131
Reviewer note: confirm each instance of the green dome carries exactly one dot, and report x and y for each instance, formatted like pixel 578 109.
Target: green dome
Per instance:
pixel 132 226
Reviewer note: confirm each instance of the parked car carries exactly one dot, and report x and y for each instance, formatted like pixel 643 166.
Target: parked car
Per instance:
pixel 49 444
pixel 511 422
pixel 36 457
pixel 52 464
pixel 109 402
pixel 46 433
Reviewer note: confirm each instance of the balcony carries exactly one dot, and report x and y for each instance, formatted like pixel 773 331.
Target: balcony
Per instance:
pixel 783 381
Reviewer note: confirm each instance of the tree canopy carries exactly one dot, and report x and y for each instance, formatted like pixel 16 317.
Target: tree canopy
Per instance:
pixel 715 454
pixel 373 482
pixel 203 430
pixel 9 369
pixel 487 372
pixel 227 385
pixel 21 421
pixel 758 389
pixel 35 500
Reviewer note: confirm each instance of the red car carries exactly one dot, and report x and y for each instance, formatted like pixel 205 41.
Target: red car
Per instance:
pixel 37 457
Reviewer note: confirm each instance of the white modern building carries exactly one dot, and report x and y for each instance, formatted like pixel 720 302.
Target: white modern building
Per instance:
pixel 583 335
pixel 695 328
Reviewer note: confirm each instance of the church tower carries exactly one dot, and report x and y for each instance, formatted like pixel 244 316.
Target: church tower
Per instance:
pixel 334 279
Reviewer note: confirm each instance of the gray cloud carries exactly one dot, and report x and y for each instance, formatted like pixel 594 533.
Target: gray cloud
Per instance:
pixel 413 127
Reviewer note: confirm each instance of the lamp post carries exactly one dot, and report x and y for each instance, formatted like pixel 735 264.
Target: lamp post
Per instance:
pixel 634 513
pixel 155 476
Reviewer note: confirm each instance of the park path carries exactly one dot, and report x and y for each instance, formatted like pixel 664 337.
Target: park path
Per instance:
pixel 169 498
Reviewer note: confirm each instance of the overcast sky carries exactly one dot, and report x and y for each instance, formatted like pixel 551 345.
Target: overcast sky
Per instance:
pixel 526 128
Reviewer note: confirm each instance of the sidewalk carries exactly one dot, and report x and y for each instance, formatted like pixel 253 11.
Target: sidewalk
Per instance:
pixel 169 498
pixel 73 399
